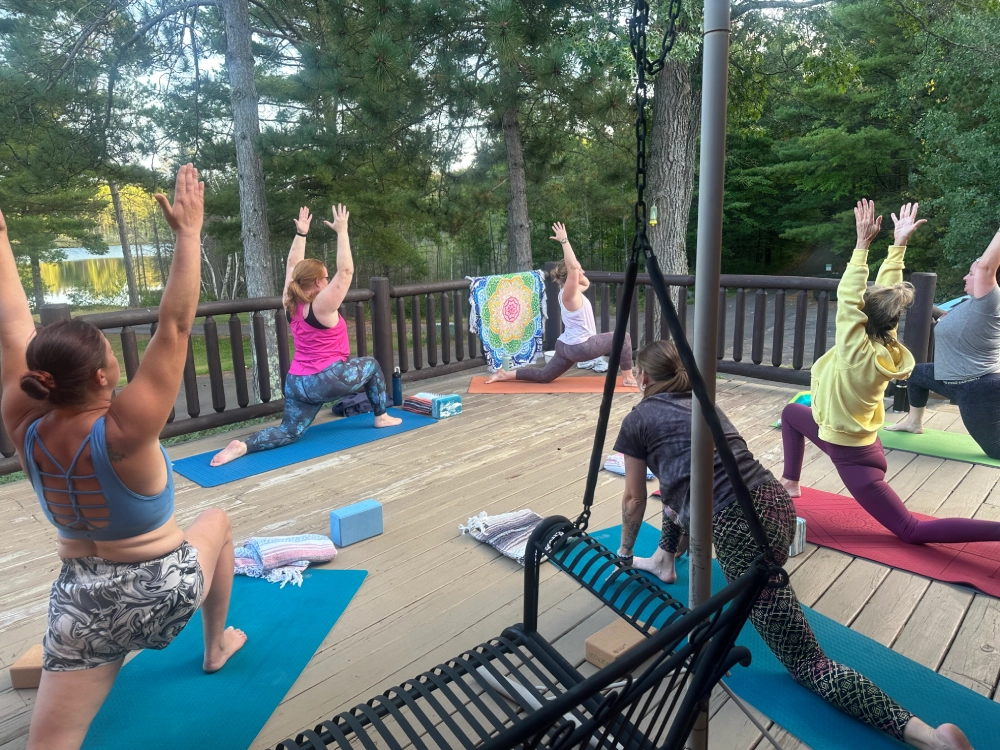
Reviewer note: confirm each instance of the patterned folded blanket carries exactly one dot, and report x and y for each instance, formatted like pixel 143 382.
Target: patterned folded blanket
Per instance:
pixel 508 314
pixel 615 463
pixel 281 559
pixel 506 532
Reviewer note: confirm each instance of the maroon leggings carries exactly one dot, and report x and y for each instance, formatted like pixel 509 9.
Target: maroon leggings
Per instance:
pixel 862 469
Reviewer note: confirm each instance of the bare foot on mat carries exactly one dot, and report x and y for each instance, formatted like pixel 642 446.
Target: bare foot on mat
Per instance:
pixel 384 420
pixel 660 565
pixel 232 451
pixel 501 375
pixel 792 487
pixel 629 381
pixel 232 641
pixel 904 425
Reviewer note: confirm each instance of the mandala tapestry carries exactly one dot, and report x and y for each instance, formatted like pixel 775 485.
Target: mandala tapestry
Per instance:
pixel 508 315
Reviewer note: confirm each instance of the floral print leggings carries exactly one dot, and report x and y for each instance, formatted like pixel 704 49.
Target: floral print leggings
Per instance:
pixel 306 394
pixel 778 616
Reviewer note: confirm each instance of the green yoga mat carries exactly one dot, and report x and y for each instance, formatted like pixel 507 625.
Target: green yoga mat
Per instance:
pixel 938 444
pixel 162 700
pixel 768 687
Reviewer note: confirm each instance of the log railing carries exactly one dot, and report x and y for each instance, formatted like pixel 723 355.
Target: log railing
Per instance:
pixel 784 323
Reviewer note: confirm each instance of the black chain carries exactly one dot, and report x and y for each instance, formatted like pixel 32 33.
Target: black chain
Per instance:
pixel 644 67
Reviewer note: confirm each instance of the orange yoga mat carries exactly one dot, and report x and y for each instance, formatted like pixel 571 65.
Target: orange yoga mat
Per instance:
pixel 582 384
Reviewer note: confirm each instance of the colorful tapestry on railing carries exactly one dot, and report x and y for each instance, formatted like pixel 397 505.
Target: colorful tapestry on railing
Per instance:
pixel 508 315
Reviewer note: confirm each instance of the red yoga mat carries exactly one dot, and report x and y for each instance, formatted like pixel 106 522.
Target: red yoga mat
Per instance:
pixel 840 523
pixel 573 384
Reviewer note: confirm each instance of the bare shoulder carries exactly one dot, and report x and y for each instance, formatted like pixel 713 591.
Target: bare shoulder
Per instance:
pixel 19 410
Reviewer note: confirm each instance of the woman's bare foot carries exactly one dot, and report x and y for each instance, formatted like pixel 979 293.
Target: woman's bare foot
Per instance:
pixel 660 565
pixel 232 451
pixel 792 487
pixel 384 420
pixel 216 657
pixel 906 425
pixel 501 375
pixel 629 380
pixel 945 737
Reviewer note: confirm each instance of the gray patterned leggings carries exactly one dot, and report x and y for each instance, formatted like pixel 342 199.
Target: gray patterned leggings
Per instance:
pixel 567 355
pixel 779 618
pixel 306 394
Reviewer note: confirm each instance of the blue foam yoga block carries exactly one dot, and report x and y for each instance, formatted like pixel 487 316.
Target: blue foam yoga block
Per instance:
pixel 356 522
pixel 446 406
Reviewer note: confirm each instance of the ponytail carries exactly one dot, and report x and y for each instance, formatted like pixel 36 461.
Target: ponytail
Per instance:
pixel 662 364
pixel 304 276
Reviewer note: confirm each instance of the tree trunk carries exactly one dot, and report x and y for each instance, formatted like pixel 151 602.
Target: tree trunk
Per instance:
pixel 672 158
pixel 37 284
pixel 133 289
pixel 518 236
pixel 250 170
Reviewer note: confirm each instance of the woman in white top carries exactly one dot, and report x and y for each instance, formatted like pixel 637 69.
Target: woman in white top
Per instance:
pixel 580 341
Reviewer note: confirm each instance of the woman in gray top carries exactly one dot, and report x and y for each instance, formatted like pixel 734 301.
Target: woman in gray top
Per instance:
pixel 966 366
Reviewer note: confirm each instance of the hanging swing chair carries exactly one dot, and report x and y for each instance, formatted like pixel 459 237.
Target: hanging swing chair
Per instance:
pixel 517 690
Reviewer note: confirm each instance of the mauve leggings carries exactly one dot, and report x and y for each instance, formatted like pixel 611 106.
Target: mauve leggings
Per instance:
pixel 567 355
pixel 862 469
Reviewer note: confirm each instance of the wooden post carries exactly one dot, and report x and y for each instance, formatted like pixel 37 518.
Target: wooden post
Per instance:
pixel 917 327
pixel 54 313
pixel 382 325
pixel 553 321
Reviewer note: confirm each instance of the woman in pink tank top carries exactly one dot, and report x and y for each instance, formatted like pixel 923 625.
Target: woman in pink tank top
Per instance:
pixel 580 341
pixel 323 369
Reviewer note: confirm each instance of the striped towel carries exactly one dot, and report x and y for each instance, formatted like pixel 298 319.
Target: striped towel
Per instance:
pixel 507 532
pixel 281 559
pixel 615 463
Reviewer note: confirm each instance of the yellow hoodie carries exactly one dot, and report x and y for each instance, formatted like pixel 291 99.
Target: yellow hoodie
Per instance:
pixel 848 382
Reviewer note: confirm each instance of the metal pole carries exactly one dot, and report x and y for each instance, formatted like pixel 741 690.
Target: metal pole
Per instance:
pixel 715 83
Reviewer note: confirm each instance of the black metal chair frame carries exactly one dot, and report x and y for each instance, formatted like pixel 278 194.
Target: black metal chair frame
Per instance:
pixel 517 690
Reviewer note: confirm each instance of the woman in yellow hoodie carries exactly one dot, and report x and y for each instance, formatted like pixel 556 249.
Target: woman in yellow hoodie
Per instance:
pixel 848 388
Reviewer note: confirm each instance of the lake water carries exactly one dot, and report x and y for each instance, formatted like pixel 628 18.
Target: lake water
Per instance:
pixel 99 279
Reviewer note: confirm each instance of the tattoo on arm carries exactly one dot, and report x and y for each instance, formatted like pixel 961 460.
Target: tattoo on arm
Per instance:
pixel 630 530
pixel 114 455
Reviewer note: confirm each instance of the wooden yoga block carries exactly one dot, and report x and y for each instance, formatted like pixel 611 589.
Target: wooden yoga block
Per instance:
pixel 612 642
pixel 356 522
pixel 26 672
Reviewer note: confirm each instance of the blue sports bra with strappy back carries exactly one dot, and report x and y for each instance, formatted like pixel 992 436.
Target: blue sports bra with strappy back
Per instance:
pixel 128 513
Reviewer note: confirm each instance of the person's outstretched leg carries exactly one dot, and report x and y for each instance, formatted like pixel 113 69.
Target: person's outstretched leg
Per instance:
pixel 862 470
pixel 797 424
pixel 212 535
pixel 979 403
pixel 299 413
pixel 558 365
pixel 66 704
pixel 779 619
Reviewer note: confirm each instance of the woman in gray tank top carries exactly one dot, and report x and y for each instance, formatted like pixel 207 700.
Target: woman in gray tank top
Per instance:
pixel 966 366
pixel 580 342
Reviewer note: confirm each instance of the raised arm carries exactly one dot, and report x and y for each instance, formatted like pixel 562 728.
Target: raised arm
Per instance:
pixel 330 299
pixel 572 298
pixel 851 319
pixel 143 406
pixel 16 328
pixel 890 272
pixel 984 273
pixel 298 249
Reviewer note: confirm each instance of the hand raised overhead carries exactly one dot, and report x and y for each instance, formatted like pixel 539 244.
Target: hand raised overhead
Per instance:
pixel 304 221
pixel 559 232
pixel 340 217
pixel 906 223
pixel 868 225
pixel 186 214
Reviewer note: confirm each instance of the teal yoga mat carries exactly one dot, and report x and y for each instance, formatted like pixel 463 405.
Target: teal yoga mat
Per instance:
pixel 768 687
pixel 938 444
pixel 162 700
pixel 319 440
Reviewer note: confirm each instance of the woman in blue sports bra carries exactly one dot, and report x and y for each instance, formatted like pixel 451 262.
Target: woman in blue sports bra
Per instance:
pixel 131 578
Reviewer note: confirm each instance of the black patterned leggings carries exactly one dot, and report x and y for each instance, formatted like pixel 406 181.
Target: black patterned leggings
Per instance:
pixel 306 394
pixel 779 618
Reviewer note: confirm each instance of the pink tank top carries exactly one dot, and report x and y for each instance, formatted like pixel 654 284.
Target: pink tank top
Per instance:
pixel 317 348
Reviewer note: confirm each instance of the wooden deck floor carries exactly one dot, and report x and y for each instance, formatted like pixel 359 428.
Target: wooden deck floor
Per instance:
pixel 431 593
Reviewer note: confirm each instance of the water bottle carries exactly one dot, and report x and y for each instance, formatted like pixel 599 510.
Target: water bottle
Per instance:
pixel 508 363
pixel 397 388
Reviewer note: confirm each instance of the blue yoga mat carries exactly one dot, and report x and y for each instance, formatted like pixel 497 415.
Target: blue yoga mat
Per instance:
pixel 162 700
pixel 768 687
pixel 319 440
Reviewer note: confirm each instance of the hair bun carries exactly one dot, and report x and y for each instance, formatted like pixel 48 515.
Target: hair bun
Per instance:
pixel 38 384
